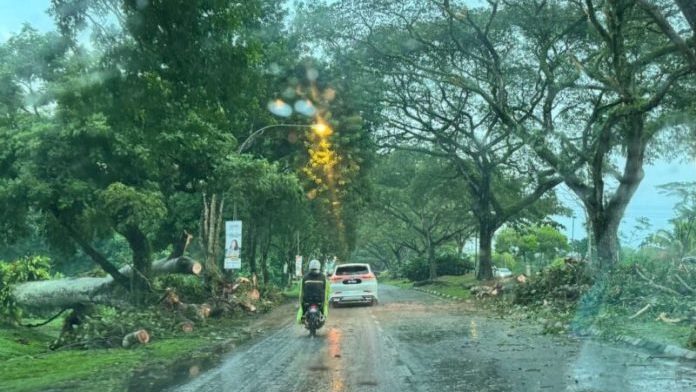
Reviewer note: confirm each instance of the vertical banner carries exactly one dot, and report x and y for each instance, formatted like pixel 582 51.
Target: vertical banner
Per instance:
pixel 298 265
pixel 233 244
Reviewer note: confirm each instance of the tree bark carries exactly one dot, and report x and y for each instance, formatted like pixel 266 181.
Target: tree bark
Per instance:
pixel 142 263
pixel 48 295
pixel 264 257
pixel 252 249
pixel 605 232
pixel 485 264
pixel 432 261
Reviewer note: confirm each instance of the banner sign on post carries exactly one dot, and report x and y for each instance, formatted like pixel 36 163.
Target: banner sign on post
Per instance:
pixel 233 244
pixel 298 265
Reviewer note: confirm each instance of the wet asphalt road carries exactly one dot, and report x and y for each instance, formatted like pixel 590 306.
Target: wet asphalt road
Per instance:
pixel 415 342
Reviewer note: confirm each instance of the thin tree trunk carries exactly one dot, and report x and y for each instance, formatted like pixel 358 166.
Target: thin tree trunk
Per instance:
pixel 264 257
pixel 211 228
pixel 432 261
pixel 252 249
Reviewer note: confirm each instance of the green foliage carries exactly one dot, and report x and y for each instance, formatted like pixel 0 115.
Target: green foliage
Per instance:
pixel 24 270
pixel 189 288
pixel 128 206
pixel 506 260
pixel 525 242
pixel 563 283
pixel 418 269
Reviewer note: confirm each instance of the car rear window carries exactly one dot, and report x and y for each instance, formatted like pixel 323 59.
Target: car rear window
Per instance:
pixel 352 270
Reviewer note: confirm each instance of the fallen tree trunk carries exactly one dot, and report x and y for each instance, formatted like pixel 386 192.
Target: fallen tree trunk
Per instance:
pixel 49 295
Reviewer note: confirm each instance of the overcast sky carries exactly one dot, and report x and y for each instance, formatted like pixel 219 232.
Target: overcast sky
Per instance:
pixel 647 202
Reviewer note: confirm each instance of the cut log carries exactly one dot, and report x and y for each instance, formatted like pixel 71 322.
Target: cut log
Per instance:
pixel 186 326
pixel 140 336
pixel 51 295
pixel 254 294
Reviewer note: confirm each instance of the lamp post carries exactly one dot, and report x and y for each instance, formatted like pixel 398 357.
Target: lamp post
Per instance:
pixel 320 129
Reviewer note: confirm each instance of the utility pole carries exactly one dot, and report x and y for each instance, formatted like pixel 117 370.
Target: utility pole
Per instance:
pixel 572 234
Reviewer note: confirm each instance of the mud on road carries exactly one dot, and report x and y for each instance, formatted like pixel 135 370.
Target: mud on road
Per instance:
pixel 416 342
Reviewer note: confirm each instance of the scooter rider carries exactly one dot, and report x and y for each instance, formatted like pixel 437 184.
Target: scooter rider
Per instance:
pixel 313 290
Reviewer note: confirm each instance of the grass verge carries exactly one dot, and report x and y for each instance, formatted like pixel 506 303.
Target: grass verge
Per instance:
pixel 28 364
pixel 456 286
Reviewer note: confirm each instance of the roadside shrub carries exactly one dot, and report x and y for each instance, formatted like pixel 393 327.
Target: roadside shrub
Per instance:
pixel 449 264
pixel 23 270
pixel 418 269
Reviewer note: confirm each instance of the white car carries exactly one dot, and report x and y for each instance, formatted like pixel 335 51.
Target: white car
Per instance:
pixel 501 272
pixel 353 283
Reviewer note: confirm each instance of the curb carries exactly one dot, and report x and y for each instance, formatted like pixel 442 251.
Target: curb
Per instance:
pixel 659 348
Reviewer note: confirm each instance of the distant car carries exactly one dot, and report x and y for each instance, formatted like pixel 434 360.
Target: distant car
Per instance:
pixel 353 283
pixel 501 272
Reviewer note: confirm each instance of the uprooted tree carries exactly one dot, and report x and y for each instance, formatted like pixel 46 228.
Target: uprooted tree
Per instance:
pixel 118 145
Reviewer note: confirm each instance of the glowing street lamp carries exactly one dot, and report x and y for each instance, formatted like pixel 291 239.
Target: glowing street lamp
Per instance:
pixel 320 128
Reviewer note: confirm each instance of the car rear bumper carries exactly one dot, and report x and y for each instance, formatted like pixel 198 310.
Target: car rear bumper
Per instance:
pixel 362 298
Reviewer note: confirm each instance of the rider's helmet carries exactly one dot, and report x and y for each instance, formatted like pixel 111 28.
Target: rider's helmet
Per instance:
pixel 314 265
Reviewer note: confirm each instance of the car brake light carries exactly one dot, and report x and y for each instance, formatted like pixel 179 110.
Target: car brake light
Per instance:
pixel 367 276
pixel 335 278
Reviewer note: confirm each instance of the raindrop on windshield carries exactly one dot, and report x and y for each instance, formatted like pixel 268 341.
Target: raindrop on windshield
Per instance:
pixel 280 108
pixel 305 107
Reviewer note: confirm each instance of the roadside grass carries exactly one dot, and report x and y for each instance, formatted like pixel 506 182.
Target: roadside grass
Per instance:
pixel 454 285
pixel 28 364
pixel 293 291
pixel 402 283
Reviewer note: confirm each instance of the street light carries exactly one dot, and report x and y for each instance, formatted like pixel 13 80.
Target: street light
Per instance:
pixel 320 128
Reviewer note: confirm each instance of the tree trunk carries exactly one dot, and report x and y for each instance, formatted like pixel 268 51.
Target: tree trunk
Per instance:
pixel 432 261
pixel 264 257
pixel 605 227
pixel 48 295
pixel 142 263
pixel 211 227
pixel 485 264
pixel 252 249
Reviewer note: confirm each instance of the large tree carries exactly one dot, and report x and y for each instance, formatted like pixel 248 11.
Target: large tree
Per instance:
pixel 418 199
pixel 404 48
pixel 588 86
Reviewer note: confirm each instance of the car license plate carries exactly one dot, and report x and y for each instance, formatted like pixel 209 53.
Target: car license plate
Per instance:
pixel 352 281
